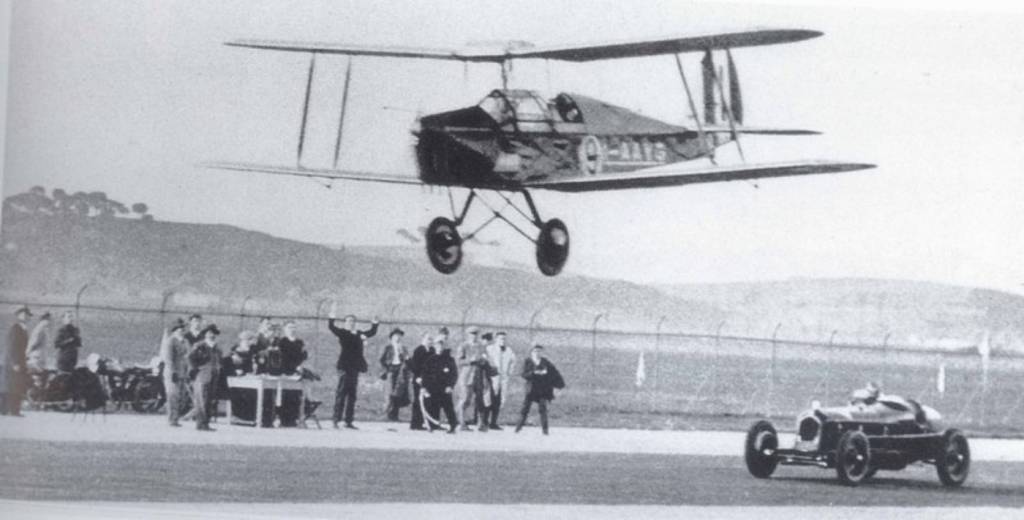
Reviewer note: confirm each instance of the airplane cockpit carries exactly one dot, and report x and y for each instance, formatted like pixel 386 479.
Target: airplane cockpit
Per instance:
pixel 519 108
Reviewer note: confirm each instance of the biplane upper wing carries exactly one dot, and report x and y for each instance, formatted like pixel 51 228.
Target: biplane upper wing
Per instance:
pixel 578 52
pixel 653 178
pixel 671 45
pixel 315 173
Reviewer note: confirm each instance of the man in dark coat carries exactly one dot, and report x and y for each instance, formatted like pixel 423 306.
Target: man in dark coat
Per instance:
pixel 417 367
pixel 204 367
pixel 393 362
pixel 68 341
pixel 15 367
pixel 439 379
pixel 351 362
pixel 541 379
pixel 293 354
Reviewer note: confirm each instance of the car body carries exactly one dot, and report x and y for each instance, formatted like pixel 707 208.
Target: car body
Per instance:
pixel 874 432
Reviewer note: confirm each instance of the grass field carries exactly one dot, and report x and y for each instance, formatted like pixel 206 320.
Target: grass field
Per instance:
pixel 690 382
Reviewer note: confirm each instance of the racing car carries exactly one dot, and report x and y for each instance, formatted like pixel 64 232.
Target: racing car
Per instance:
pixel 874 432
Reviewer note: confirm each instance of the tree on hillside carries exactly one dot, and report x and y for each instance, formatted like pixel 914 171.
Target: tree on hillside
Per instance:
pixel 80 204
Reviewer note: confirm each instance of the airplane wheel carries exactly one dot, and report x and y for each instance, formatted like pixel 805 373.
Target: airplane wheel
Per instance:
pixel 552 247
pixel 954 459
pixel 444 245
pixel 853 457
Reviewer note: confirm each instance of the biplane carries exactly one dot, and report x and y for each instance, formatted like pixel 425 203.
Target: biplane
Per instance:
pixel 514 141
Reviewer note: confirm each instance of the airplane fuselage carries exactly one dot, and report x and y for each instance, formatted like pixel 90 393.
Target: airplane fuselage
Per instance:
pixel 514 136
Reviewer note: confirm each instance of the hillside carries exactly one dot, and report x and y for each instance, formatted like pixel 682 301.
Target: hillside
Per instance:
pixel 218 266
pixel 134 262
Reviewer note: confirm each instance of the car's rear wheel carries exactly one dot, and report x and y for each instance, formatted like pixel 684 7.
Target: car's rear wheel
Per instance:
pixel 762 441
pixel 853 457
pixel 953 461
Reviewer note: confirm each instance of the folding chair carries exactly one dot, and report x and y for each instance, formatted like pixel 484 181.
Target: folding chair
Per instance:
pixel 309 412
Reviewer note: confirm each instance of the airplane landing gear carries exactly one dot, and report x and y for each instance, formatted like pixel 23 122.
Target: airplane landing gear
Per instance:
pixel 444 245
pixel 552 247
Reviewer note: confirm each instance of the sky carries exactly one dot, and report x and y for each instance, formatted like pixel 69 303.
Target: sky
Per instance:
pixel 132 97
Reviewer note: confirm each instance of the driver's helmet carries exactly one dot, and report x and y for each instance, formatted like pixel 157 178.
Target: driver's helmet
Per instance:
pixel 867 395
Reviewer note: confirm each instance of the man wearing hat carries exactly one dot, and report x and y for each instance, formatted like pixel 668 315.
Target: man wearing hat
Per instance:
pixel 37 340
pixel 395 372
pixel 204 364
pixel 69 340
pixel 504 361
pixel 464 358
pixel 417 365
pixel 541 379
pixel 173 349
pixel 14 362
pixel 194 334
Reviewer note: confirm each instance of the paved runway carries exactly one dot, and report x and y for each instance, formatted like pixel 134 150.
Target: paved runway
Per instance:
pixel 134 466
pixel 148 429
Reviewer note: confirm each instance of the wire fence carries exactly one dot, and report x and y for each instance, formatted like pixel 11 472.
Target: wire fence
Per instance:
pixel 647 378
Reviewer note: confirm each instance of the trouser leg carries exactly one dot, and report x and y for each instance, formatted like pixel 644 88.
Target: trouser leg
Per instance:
pixel 523 412
pixel 340 394
pixel 417 414
pixel 542 406
pixel 351 383
pixel 449 411
pixel 173 395
pixel 433 407
pixel 495 408
pixel 199 400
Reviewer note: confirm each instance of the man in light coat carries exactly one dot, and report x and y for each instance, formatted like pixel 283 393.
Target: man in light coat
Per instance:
pixel 464 358
pixel 504 360
pixel 173 350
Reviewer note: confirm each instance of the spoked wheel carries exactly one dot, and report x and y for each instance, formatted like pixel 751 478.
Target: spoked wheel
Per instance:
pixel 762 441
pixel 444 245
pixel 552 247
pixel 853 458
pixel 954 459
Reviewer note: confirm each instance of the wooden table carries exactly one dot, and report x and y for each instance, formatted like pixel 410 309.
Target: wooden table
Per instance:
pixel 265 382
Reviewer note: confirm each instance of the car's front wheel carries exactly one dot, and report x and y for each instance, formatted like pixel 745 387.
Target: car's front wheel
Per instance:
pixel 953 461
pixel 762 441
pixel 853 457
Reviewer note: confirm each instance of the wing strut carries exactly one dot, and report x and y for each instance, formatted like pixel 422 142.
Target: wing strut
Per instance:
pixel 341 117
pixel 693 109
pixel 305 109
pixel 728 110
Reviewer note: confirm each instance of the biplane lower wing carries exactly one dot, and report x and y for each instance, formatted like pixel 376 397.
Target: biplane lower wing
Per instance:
pixel 654 178
pixel 315 173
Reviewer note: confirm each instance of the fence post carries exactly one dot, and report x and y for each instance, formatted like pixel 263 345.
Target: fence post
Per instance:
pixel 241 312
pixel 657 354
pixel 78 302
pixel 885 358
pixel 593 350
pixel 828 364
pixel 533 319
pixel 718 335
pixel 775 336
pixel 163 307
pixel 465 315
pixel 316 327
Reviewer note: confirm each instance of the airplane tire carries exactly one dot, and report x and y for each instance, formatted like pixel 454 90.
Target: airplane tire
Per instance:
pixel 444 245
pixel 552 247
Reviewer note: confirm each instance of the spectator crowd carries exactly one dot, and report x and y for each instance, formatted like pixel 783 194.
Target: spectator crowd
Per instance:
pixel 468 384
